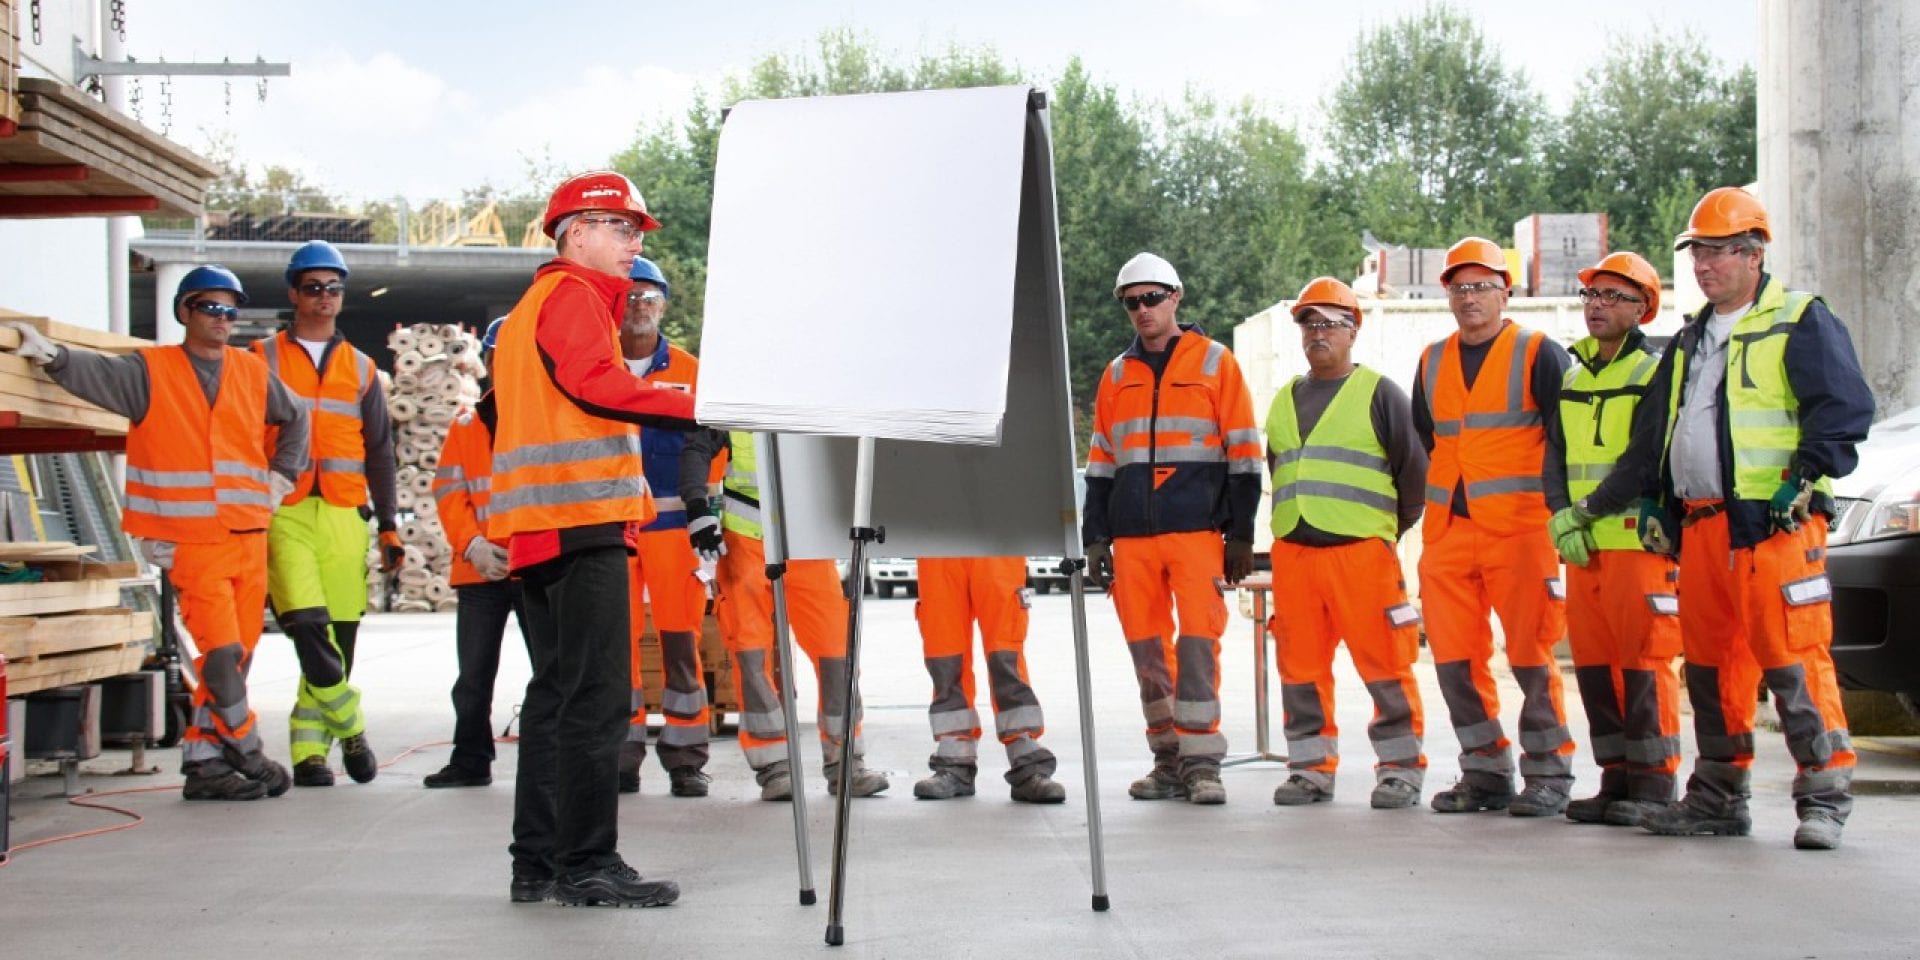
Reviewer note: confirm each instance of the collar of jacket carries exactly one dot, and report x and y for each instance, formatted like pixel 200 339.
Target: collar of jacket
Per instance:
pixel 609 287
pixel 1133 349
pixel 1587 350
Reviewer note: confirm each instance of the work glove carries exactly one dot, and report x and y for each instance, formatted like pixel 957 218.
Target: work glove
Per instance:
pixel 487 557
pixel 1575 546
pixel 1653 528
pixel 704 532
pixel 1787 508
pixel 34 345
pixel 1568 520
pixel 1239 560
pixel 392 551
pixel 158 552
pixel 280 486
pixel 1100 563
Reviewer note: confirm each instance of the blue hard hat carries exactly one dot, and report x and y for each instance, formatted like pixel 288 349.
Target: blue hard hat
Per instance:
pixel 315 255
pixel 493 333
pixel 210 277
pixel 644 269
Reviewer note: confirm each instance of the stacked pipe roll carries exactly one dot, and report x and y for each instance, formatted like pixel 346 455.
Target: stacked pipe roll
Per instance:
pixel 436 372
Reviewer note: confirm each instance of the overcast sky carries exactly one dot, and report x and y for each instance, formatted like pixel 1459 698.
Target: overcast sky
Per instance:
pixel 422 100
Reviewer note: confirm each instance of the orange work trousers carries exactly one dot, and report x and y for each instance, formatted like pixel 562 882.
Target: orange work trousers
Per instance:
pixel 1178 670
pixel 1623 625
pixel 1464 575
pixel 817 607
pixel 665 575
pixel 1763 614
pixel 222 589
pixel 955 593
pixel 1353 591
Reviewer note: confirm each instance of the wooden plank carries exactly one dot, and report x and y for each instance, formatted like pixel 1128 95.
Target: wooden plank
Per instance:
pixel 27 599
pixel 83 667
pixel 19 551
pixel 31 638
pixel 132 168
pixel 70 334
pixel 35 412
pixel 37 92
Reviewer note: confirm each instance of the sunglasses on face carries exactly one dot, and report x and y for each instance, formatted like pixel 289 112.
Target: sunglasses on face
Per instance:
pixel 314 288
pixel 1153 299
pixel 218 311
pixel 651 298
pixel 1611 298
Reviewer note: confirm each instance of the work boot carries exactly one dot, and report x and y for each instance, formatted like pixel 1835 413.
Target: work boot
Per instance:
pixel 1298 791
pixel 1690 818
pixel 357 755
pixel 1038 788
pixel 453 776
pixel 616 885
pixel 1819 830
pixel 1541 798
pixel 256 766
pixel 1591 809
pixel 632 753
pixel 1394 793
pixel 226 785
pixel 687 782
pixel 1632 813
pixel 529 889
pixel 1161 784
pixel 945 784
pixel 1204 786
pixel 866 781
pixel 312 772
pixel 777 786
pixel 1464 797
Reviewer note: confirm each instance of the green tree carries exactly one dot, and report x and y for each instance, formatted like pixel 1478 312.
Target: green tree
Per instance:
pixel 1656 123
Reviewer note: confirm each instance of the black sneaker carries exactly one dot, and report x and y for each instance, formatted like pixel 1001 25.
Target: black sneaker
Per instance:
pixel 614 886
pixel 226 785
pixel 453 776
pixel 312 772
pixel 629 781
pixel 525 889
pixel 357 755
pixel 688 782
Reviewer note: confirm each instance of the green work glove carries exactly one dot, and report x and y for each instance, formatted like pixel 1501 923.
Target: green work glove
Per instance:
pixel 1575 546
pixel 1653 528
pixel 1567 521
pixel 1787 509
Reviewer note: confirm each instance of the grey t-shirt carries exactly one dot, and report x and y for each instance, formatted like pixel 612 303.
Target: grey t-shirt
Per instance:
pixel 1695 455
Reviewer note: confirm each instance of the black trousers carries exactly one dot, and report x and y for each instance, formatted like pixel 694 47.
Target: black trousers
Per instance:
pixel 574 717
pixel 479 624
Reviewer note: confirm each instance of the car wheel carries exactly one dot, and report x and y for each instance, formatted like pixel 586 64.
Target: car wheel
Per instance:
pixel 1043 586
pixel 885 590
pixel 1910 701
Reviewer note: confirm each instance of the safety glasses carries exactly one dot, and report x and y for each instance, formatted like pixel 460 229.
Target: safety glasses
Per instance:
pixel 314 288
pixel 623 228
pixel 1153 299
pixel 1611 298
pixel 1474 289
pixel 650 298
pixel 218 311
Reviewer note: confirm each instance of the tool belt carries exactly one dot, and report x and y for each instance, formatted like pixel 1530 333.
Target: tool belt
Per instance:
pixel 1703 511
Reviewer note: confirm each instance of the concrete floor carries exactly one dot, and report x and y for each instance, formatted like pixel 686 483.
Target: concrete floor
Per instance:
pixel 391 869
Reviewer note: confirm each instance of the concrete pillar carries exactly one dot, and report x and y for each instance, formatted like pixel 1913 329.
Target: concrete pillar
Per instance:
pixel 1839 165
pixel 166 279
pixel 119 229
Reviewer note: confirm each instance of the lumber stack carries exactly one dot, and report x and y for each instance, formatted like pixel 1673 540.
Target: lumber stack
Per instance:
pixel 32 398
pixel 68 627
pixel 436 372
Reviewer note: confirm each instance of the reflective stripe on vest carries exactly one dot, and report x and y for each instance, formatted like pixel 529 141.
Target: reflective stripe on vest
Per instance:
pixel 195 473
pixel 1596 418
pixel 1487 438
pixel 740 500
pixel 1337 479
pixel 1762 411
pixel 339 446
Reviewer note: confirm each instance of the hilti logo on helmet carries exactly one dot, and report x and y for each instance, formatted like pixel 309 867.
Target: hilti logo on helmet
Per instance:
pixel 601 192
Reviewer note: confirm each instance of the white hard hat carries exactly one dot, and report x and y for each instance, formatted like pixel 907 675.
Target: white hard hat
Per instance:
pixel 1146 268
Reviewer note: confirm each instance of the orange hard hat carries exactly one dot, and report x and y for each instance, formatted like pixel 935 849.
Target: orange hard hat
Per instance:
pixel 1725 212
pixel 1476 252
pixel 1329 294
pixel 599 190
pixel 1634 269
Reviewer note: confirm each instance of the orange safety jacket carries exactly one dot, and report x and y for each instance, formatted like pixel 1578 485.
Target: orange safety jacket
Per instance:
pixel 1492 438
pixel 462 488
pixel 339 443
pixel 1169 445
pixel 196 473
pixel 554 465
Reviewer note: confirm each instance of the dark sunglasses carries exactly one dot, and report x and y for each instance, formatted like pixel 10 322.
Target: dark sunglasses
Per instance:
pixel 314 288
pixel 1153 299
pixel 218 311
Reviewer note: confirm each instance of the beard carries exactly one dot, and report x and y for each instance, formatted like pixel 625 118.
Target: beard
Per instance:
pixel 640 327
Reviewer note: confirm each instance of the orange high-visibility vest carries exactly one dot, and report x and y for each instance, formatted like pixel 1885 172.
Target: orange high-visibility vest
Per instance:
pixel 339 450
pixel 196 473
pixel 462 488
pixel 555 466
pixel 1491 438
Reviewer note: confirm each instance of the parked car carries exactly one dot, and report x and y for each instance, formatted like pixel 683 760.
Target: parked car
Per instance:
pixel 1873 561
pixel 887 574
pixel 1043 574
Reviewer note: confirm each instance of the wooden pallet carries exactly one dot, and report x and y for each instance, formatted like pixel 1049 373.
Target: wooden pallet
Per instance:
pixel 83 666
pixel 70 586
pixel 24 639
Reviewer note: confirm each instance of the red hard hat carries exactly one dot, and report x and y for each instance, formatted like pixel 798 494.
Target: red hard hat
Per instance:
pixel 1634 269
pixel 1327 292
pixel 599 190
pixel 1476 252
pixel 1725 212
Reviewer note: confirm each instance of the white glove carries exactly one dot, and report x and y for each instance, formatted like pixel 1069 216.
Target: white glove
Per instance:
pixel 704 533
pixel 158 552
pixel 487 557
pixel 34 345
pixel 280 486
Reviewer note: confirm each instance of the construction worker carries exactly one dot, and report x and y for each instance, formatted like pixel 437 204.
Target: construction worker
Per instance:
pixel 1758 403
pixel 317 557
pixel 816 604
pixel 201 485
pixel 1623 615
pixel 1484 400
pixel 568 490
pixel 666 573
pixel 462 488
pixel 955 592
pixel 1173 464
pixel 1349 479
